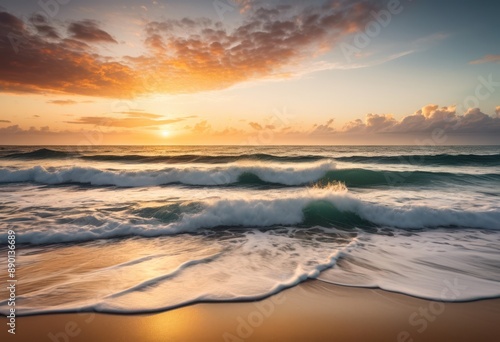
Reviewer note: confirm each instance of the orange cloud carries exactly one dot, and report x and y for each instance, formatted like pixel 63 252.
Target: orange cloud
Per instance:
pixel 134 119
pixel 33 63
pixel 487 59
pixel 62 102
pixel 255 125
pixel 323 129
pixel 181 56
pixel 472 127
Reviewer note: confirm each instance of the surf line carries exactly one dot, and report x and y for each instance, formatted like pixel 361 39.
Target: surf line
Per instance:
pixel 11 280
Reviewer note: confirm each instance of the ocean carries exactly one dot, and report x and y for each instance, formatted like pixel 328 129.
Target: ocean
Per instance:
pixel 149 228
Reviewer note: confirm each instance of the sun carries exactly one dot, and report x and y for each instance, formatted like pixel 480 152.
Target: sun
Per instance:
pixel 165 133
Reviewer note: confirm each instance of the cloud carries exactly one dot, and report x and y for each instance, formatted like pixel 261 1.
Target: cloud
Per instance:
pixel 245 5
pixel 62 102
pixel 323 129
pixel 487 59
pixel 256 126
pixel 31 63
pixel 181 56
pixel 66 102
pixel 9 21
pixel 199 55
pixel 373 123
pixel 42 26
pixel 5 121
pixel 84 136
pixel 427 120
pixel 89 31
pixel 15 129
pixel 472 127
pixel 140 114
pixel 201 127
pixel 134 120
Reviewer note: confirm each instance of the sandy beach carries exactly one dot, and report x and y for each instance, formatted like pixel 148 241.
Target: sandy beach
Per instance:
pixel 313 311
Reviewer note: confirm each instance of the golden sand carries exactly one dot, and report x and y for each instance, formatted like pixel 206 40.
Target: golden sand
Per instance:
pixel 313 311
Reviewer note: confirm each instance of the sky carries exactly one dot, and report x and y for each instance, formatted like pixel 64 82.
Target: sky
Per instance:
pixel 249 72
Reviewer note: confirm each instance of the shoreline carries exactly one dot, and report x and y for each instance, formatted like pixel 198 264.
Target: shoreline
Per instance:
pixel 311 311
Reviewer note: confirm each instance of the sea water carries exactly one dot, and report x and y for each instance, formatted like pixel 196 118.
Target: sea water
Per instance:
pixel 142 229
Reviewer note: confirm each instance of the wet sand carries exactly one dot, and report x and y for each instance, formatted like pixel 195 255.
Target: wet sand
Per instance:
pixel 312 311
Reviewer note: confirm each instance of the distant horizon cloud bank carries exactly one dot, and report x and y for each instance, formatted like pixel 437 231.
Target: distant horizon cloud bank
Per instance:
pixel 432 124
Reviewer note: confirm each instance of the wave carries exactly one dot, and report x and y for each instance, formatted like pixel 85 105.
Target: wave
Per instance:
pixel 440 159
pixel 195 158
pixel 414 159
pixel 174 283
pixel 236 174
pixel 307 208
pixel 363 177
pixel 230 174
pixel 45 153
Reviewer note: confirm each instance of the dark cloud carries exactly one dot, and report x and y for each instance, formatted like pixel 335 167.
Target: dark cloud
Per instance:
pixel 9 22
pixel 42 26
pixel 89 31
pixel 32 63
pixel 431 124
pixel 427 120
pixel 5 121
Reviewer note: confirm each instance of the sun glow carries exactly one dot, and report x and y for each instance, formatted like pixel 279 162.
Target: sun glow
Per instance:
pixel 165 133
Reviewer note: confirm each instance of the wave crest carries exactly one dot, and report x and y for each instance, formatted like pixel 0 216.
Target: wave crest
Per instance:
pixel 307 208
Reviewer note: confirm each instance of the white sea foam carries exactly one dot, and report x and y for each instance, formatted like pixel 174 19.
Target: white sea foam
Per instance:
pixel 263 212
pixel 295 174
pixel 206 271
pixel 440 265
